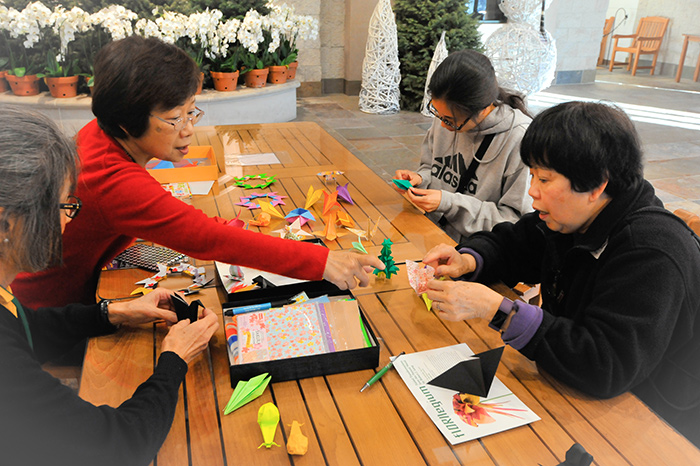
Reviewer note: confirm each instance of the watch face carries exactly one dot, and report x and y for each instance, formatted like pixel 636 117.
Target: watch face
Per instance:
pixel 498 320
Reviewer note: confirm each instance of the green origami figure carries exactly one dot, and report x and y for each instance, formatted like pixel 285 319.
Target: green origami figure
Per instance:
pixel 268 418
pixel 387 259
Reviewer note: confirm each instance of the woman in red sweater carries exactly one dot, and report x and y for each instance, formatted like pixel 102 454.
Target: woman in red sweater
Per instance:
pixel 144 101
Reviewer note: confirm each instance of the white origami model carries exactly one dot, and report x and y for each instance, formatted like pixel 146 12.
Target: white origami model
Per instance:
pixel 380 69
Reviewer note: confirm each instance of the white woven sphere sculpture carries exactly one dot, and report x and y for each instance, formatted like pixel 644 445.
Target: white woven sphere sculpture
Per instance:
pixel 381 74
pixel 524 60
pixel 523 11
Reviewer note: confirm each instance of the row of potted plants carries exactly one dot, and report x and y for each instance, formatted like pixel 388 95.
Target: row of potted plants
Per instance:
pixel 60 43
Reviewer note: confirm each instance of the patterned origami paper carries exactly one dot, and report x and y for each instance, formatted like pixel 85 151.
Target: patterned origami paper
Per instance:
pixel 300 214
pixel 248 182
pixel 344 194
pixel 403 184
pixel 312 197
pixel 329 175
pixel 329 201
pixel 268 418
pixel 261 220
pixel 269 209
pixel 419 275
pixel 247 391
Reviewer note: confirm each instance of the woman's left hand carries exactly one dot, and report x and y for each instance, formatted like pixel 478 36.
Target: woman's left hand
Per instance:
pixel 156 305
pixel 426 199
pixel 458 300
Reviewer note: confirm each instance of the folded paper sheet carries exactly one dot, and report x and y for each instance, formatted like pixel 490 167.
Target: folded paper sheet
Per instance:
pixel 247 391
pixel 474 376
pixel 458 415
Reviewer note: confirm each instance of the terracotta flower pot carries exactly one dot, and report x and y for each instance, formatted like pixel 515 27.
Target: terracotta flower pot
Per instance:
pixel 256 78
pixel 224 82
pixel 4 85
pixel 201 82
pixel 277 74
pixel 292 70
pixel 63 86
pixel 24 86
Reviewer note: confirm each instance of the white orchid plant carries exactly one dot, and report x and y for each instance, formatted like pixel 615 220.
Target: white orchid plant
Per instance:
pixel 38 37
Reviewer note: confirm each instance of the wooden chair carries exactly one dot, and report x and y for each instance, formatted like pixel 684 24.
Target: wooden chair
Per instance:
pixel 604 41
pixel 647 40
pixel 690 218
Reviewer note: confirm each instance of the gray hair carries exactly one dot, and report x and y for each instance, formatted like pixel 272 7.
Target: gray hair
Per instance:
pixel 36 161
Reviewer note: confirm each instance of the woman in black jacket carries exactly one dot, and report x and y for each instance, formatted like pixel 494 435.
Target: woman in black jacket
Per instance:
pixel 41 420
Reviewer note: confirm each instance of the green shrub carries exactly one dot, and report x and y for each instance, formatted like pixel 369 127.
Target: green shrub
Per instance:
pixel 420 24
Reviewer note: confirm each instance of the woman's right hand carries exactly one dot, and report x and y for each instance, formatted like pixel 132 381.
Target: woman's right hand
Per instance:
pixel 447 261
pixel 187 339
pixel 414 178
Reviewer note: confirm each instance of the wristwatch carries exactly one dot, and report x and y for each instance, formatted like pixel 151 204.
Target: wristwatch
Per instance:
pixel 504 310
pixel 104 312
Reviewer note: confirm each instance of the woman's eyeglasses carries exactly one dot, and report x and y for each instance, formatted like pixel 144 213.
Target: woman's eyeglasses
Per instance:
pixel 180 123
pixel 72 207
pixel 449 123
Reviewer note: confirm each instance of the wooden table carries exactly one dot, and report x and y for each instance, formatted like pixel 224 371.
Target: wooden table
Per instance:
pixel 384 425
pixel 688 38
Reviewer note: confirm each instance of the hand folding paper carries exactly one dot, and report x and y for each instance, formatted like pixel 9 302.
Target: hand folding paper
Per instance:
pixel 184 310
pixel 473 376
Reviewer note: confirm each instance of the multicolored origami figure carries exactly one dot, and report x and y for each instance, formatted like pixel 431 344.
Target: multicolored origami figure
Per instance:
pixel 386 257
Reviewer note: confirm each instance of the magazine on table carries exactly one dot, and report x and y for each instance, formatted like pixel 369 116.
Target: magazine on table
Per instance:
pixel 460 416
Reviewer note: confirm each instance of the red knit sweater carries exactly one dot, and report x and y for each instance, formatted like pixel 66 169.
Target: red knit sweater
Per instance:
pixel 121 202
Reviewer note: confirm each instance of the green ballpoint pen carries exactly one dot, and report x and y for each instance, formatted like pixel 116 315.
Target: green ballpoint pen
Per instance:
pixel 381 372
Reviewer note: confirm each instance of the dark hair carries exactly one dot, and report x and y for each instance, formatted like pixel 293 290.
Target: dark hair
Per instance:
pixel 588 143
pixel 466 81
pixel 36 161
pixel 135 76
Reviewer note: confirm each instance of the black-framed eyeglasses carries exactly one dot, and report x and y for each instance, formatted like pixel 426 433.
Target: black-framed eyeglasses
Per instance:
pixel 180 123
pixel 449 123
pixel 72 207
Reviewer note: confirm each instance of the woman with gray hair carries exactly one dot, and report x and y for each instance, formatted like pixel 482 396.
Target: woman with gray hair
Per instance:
pixel 41 420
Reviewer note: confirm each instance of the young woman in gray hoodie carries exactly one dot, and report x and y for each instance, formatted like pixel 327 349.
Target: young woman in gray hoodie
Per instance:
pixel 470 176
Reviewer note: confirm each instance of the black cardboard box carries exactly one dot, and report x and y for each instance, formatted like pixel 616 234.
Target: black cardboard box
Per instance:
pixel 303 366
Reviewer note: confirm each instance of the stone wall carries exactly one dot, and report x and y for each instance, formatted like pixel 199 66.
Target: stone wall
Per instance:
pixel 577 27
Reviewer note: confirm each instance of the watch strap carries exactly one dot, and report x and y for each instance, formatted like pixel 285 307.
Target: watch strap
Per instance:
pixel 507 306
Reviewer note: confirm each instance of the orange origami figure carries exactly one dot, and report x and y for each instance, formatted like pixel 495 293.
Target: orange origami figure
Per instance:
pixel 262 220
pixel 344 219
pixel 329 201
pixel 298 443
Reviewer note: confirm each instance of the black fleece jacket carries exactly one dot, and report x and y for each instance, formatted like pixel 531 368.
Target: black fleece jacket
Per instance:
pixel 620 302
pixel 43 422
